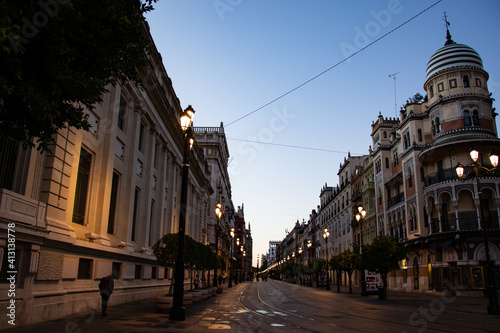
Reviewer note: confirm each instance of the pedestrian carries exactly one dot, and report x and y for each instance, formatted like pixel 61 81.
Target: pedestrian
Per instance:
pixel 196 282
pixel 106 289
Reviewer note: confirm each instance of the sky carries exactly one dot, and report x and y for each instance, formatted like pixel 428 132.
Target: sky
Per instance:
pixel 307 78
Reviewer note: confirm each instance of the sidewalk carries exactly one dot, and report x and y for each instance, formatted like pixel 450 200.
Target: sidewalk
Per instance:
pixel 142 316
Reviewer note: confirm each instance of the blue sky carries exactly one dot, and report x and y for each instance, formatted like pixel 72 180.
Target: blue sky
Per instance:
pixel 228 58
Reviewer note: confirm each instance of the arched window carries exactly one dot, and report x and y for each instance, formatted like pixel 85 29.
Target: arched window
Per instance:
pixel 438 126
pixel 410 178
pixel 467 119
pixel 433 128
pixel 416 274
pixel 475 118
pixel 466 81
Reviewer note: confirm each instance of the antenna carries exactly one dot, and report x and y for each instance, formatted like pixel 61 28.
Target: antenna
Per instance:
pixel 393 76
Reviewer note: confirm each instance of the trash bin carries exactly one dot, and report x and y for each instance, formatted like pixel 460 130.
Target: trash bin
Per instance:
pixel 380 292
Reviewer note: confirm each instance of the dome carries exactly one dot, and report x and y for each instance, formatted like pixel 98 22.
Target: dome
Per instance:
pixel 453 56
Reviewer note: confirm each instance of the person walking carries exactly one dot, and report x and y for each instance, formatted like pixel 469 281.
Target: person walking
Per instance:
pixel 106 289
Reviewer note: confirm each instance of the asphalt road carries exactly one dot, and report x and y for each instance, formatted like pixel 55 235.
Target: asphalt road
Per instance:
pixel 276 306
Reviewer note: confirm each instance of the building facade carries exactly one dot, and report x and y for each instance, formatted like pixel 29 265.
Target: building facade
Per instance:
pixel 99 200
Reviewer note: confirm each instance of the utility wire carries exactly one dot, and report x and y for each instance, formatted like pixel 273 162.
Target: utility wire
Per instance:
pixel 337 64
pixel 291 146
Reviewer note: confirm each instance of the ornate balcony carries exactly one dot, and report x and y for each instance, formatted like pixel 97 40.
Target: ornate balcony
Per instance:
pixel 467 221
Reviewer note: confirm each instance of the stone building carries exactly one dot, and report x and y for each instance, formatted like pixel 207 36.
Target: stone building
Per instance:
pixel 97 203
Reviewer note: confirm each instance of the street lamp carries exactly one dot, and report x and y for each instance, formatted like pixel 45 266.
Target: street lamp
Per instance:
pixel 218 213
pixel 230 255
pixel 309 259
pixel 326 234
pixel 360 217
pixel 493 307
pixel 178 312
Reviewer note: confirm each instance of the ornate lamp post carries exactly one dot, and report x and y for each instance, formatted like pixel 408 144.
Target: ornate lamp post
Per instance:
pixel 231 233
pixel 218 213
pixel 360 217
pixel 236 261
pixel 178 312
pixel 309 259
pixel 477 169
pixel 326 234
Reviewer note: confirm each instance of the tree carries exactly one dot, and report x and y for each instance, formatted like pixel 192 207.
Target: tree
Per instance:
pixel 335 264
pixel 382 256
pixel 348 261
pixel 417 98
pixel 59 56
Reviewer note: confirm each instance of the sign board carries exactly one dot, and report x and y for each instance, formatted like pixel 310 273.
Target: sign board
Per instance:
pixel 373 281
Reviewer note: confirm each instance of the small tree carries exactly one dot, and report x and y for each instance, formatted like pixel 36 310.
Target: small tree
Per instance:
pixel 335 264
pixel 348 262
pixel 417 98
pixel 382 256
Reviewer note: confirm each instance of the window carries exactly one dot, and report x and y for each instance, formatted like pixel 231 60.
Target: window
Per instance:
pixel 431 91
pixel 438 126
pixel 155 156
pixel 385 135
pixel 467 119
pixel 142 128
pixel 121 113
pixel 440 86
pixel 419 135
pixel 85 268
pixel 112 203
pixel 475 118
pixel 154 273
pixel 134 217
pixel 116 270
pixel 478 82
pixel 82 186
pixel 410 179
pixel 137 272
pixel 387 162
pixel 151 220
pixel 422 175
pixel 453 83
pixel 466 81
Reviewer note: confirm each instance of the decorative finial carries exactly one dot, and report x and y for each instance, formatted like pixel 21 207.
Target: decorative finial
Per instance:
pixel 449 41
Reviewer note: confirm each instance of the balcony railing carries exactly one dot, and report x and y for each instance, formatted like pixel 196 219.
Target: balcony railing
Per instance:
pixel 466 221
pixel 451 175
pixel 395 200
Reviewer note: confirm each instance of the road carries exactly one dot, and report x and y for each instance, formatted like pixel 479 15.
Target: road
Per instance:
pixel 275 306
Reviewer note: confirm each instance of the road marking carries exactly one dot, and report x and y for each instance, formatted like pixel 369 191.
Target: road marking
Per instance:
pixel 219 327
pixel 277 325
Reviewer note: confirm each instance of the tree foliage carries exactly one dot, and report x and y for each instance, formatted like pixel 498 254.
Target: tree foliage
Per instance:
pixel 196 254
pixel 417 98
pixel 58 57
pixel 382 256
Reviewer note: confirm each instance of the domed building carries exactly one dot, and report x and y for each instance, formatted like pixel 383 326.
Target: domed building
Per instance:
pixel 420 199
